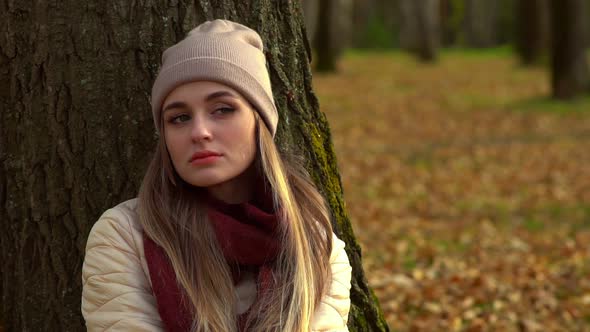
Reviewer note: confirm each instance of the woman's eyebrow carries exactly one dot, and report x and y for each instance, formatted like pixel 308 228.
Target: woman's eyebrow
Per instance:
pixel 214 95
pixel 222 93
pixel 176 104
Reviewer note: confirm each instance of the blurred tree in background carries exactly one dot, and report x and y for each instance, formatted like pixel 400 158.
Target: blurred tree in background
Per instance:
pixel 449 20
pixel 569 62
pixel 532 28
pixel 324 41
pixel 533 34
pixel 420 27
pixel 335 33
pixel 481 23
pixel 310 13
pixel 507 22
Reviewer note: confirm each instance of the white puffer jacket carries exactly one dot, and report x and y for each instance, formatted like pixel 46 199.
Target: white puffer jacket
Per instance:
pixel 117 293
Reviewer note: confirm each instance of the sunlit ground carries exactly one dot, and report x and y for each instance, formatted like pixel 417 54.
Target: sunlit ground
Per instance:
pixel 468 190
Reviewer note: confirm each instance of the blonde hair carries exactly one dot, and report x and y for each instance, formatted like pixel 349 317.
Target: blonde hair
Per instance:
pixel 174 217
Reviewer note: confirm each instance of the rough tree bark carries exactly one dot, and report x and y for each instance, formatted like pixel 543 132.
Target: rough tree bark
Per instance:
pixel 76 135
pixel 533 30
pixel 420 27
pixel 569 66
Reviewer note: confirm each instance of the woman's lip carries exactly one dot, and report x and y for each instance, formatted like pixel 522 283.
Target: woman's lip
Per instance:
pixel 204 154
pixel 205 160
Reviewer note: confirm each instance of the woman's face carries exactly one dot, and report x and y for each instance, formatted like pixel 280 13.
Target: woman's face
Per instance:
pixel 209 129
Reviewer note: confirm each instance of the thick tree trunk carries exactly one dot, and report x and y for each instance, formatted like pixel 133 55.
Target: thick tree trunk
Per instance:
pixel 533 29
pixel 420 27
pixel 76 135
pixel 481 23
pixel 569 65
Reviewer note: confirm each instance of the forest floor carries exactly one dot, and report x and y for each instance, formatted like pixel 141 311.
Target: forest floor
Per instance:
pixel 468 190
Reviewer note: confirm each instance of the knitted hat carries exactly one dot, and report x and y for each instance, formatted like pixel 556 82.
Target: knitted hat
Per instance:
pixel 224 52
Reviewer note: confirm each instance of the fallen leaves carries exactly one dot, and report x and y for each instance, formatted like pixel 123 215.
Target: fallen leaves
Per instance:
pixel 472 215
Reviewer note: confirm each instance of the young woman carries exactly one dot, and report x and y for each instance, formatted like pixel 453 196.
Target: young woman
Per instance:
pixel 226 234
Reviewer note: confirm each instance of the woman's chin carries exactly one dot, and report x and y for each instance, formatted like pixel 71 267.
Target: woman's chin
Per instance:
pixel 205 183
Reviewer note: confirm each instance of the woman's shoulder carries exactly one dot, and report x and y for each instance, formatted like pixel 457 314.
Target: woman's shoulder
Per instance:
pixel 118 234
pixel 124 217
pixel 124 212
pixel 332 312
pixel 118 227
pixel 116 288
pixel 338 247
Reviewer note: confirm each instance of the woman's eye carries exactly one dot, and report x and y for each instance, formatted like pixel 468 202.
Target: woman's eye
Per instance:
pixel 179 118
pixel 223 110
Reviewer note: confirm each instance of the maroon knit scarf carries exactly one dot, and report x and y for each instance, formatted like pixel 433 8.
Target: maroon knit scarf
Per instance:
pixel 247 236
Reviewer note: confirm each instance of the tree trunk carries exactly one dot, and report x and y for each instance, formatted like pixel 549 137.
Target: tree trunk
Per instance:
pixel 323 42
pixel 533 30
pixel 448 32
pixel 569 66
pixel 333 32
pixel 76 135
pixel 310 14
pixel 420 27
pixel 341 31
pixel 481 23
pixel 506 29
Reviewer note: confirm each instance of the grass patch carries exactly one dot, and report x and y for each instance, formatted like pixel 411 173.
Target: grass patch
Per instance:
pixel 491 52
pixel 546 104
pixel 452 246
pixel 409 264
pixel 450 52
pixel 485 306
pixel 533 225
pixel 355 53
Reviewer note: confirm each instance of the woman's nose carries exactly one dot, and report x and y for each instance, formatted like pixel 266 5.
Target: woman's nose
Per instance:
pixel 200 130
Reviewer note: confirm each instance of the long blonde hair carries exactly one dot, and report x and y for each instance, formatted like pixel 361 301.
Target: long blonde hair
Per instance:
pixel 174 217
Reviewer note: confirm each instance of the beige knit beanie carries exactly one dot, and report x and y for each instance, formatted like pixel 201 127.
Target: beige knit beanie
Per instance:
pixel 220 51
